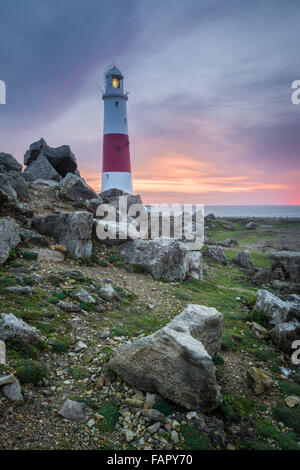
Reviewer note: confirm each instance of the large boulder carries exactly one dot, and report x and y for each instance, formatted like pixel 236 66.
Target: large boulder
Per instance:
pixel 14 186
pixel 176 361
pixel 244 260
pixel 13 328
pixel 285 334
pixel 215 253
pixel 275 310
pixel 162 257
pixel 9 237
pixel 111 196
pixel 262 276
pixel 75 189
pixel 40 168
pixel 289 264
pixel 9 163
pixel 61 158
pixel 72 229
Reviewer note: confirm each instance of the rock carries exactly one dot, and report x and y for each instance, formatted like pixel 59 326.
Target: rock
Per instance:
pixel 74 410
pixel 129 435
pixel 215 253
pixel 116 232
pixel 2 352
pixel 161 257
pixel 49 183
pixel 275 310
pixel 209 241
pixel 80 346
pixel 244 260
pixel 209 425
pixel 84 296
pixel 69 306
pixel 9 163
pixel 229 242
pixel 228 227
pixel 73 229
pixel 33 237
pixel 13 392
pixel 251 226
pixel 75 189
pixel 262 276
pixel 61 158
pixel 285 334
pixel 20 290
pixel 292 401
pixel 154 428
pixel 61 248
pixel 176 361
pixel 72 273
pixel 150 399
pixel 107 292
pixel 9 237
pixel 111 196
pixel 260 331
pixel 288 262
pixel 195 264
pixel 174 437
pixel 259 380
pixel 6 379
pixel 209 217
pixel 286 287
pixel 50 256
pixel 153 415
pixel 41 169
pixel 14 187
pixel 13 328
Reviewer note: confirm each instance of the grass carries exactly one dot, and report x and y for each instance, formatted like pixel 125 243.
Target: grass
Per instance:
pixel 111 416
pixel 29 371
pixel 286 441
pixel 193 439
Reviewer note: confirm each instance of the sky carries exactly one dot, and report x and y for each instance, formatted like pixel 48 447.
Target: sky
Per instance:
pixel 210 115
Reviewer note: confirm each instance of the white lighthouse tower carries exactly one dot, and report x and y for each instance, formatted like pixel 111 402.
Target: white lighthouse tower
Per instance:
pixel 116 169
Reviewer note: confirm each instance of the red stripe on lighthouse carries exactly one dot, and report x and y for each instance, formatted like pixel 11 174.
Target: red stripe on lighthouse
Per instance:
pixel 116 154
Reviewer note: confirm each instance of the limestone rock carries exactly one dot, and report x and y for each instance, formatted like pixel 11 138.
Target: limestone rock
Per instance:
pixel 75 189
pixel 289 264
pixel 107 292
pixel 251 226
pixel 284 334
pixel 6 379
pixel 292 401
pixel 276 310
pixel 195 264
pixel 215 253
pixel 84 296
pixel 9 163
pixel 20 290
pixel 161 257
pixel 50 256
pixel 73 229
pixel 2 352
pixel 176 361
pixel 259 380
pixel 229 242
pixel 41 169
pixel 74 410
pixel 244 260
pixel 13 328
pixel 13 392
pixel 9 237
pixel 33 237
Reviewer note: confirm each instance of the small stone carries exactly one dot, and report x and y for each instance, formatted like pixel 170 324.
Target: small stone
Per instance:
pixel 74 410
pixel 129 435
pixel 292 401
pixel 80 346
pixel 259 380
pixel 174 437
pixel 50 256
pixel 61 248
pixel 91 423
pixel 84 296
pixel 154 428
pixel 20 290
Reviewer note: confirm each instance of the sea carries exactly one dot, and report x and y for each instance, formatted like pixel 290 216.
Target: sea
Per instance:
pixel 291 212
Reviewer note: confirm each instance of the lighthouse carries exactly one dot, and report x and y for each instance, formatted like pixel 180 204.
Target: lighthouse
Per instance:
pixel 116 169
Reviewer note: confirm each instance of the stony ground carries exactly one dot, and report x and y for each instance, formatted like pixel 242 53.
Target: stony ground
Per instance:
pixel 118 419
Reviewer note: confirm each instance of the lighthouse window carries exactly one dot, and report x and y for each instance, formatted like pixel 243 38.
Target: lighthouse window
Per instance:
pixel 118 149
pixel 115 83
pixel 116 104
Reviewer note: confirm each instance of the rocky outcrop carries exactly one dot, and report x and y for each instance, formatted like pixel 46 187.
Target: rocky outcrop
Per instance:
pixel 244 260
pixel 60 158
pixel 288 263
pixel 13 328
pixel 72 229
pixel 9 237
pixel 215 253
pixel 229 242
pixel 262 276
pixel 162 257
pixel 40 168
pixel 284 334
pixel 9 163
pixel 176 361
pixel 251 226
pixel 13 187
pixel 111 196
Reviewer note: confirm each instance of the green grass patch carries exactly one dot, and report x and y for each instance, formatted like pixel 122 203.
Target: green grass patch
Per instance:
pixel 288 416
pixel 111 416
pixel 193 439
pixel 29 371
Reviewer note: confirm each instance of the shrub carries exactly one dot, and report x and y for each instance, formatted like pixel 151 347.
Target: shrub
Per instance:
pixel 193 439
pixel 111 416
pixel 31 255
pixel 288 416
pixel 29 371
